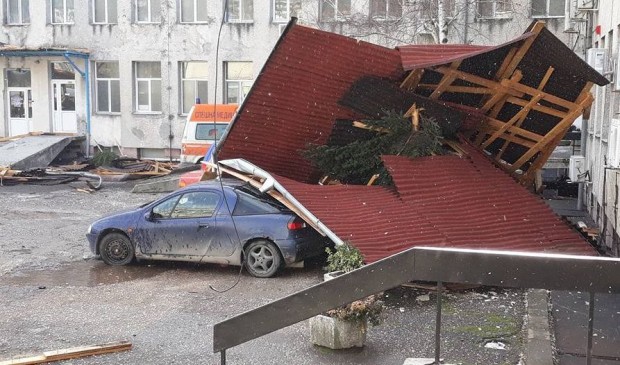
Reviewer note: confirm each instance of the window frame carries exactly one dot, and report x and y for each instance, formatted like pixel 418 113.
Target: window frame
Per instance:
pixel 149 80
pixel 107 12
pixel 546 15
pixel 195 81
pixel 20 11
pixel 150 16
pixel 108 80
pixel 239 82
pixel 289 5
pixel 195 21
pixel 387 15
pixel 65 12
pixel 495 14
pixel 241 12
pixel 337 11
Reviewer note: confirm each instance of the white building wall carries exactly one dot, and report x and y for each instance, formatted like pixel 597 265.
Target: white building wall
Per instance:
pixel 601 193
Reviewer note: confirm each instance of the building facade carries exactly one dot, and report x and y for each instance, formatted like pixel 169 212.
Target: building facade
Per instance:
pixel 601 173
pixel 126 73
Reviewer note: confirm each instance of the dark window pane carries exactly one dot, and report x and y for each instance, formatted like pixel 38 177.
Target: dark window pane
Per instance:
pixel 189 97
pixel 539 7
pixel 100 11
pixel 107 69
pixel 195 205
pixel 112 17
pixel 25 11
pixel 18 78
pixel 187 11
pixel 102 96
pixel 115 90
pixel 556 7
pixel 156 96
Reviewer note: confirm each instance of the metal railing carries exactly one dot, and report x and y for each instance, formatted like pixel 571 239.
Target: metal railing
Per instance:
pixel 483 267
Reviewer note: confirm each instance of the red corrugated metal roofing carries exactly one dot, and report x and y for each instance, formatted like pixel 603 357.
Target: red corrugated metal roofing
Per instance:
pixel 426 55
pixel 294 101
pixel 443 201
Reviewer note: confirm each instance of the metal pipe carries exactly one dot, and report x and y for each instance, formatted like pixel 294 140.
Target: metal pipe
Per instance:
pixel 590 329
pixel 87 87
pixel 438 324
pixel 223 357
pixel 271 183
pixel 582 152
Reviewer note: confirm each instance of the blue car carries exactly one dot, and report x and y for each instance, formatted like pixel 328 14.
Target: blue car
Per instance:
pixel 228 223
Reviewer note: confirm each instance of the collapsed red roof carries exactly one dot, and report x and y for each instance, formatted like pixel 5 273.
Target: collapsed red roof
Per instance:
pixel 448 201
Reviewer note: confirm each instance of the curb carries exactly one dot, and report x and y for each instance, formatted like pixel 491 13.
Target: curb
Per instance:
pixel 538 346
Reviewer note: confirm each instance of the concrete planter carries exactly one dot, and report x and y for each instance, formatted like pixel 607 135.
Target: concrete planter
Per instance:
pixel 332 275
pixel 336 333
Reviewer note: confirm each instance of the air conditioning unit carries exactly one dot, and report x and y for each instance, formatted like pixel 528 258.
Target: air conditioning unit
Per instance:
pixel 577 168
pixel 613 144
pixel 597 59
pixel 586 4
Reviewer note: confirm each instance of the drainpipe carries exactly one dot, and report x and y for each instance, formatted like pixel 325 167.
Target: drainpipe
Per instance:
pixel 584 140
pixel 87 86
pixel 272 184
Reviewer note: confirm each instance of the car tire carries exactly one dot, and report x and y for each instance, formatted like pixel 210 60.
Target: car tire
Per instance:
pixel 116 249
pixel 262 259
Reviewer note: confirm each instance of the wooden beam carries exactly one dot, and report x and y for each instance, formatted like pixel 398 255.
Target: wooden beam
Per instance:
pixel 446 81
pixel 553 133
pixel 518 56
pixel 546 96
pixel 412 80
pixel 70 353
pixel 460 89
pixel 362 125
pixel 502 69
pixel 512 138
pixel 496 124
pixel 529 105
pixel 538 108
pixel 517 118
pixel 499 95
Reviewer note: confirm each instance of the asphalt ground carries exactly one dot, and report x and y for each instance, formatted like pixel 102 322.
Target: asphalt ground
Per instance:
pixel 54 294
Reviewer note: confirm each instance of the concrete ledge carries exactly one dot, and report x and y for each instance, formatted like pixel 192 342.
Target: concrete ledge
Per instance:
pixel 160 186
pixel 538 347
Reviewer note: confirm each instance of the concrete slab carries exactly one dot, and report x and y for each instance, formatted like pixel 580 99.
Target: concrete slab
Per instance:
pixel 32 151
pixel 538 348
pixel 578 360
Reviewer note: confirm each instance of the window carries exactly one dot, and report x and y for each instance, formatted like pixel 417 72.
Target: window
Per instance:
pixel 283 10
pixel 62 11
pixel 494 8
pixel 194 85
pixel 428 8
pixel 197 204
pixel 210 131
pixel 18 12
pixel 547 8
pixel 384 9
pixel 240 11
pixel 239 76
pixel 107 87
pixel 193 11
pixel 148 86
pixel 148 11
pixel 104 11
pixel 335 9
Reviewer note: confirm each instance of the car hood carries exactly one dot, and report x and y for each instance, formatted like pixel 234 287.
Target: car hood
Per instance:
pixel 120 220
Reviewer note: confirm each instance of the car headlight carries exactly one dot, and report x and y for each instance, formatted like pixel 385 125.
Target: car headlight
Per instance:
pixel 90 228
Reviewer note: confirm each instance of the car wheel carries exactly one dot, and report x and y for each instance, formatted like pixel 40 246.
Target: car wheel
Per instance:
pixel 116 249
pixel 262 259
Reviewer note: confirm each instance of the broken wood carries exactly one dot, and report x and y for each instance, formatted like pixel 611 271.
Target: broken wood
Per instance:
pixel 70 353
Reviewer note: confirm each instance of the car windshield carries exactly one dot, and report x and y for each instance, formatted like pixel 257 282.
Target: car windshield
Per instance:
pixel 210 131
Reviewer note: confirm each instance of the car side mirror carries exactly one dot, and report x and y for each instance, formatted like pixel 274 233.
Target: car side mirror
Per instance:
pixel 148 216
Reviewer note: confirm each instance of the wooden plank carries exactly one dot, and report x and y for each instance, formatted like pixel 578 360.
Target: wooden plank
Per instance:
pixel 412 80
pixel 562 126
pixel 512 138
pixel 538 108
pixel 373 179
pixel 527 44
pixel 455 146
pixel 446 81
pixel 70 353
pixel 495 124
pixel 499 95
pixel 362 125
pixel 545 96
pixel 502 69
pixel 517 118
pixel 529 105
pixel 460 89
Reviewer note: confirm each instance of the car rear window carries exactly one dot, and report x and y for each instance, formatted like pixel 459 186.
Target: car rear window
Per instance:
pixel 251 202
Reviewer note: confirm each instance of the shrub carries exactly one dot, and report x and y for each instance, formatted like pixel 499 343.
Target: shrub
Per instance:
pixel 344 258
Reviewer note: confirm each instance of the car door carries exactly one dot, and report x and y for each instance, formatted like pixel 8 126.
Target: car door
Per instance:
pixel 184 224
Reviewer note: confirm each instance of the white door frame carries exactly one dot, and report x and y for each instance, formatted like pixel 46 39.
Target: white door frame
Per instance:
pixel 20 125
pixel 63 120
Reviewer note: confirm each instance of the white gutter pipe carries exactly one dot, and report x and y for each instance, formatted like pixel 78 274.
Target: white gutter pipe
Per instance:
pixel 271 184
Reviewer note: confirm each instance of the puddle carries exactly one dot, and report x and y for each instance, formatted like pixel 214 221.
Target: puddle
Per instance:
pixel 84 273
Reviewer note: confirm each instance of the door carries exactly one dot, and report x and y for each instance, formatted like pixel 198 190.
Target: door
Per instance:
pixel 20 110
pixel 63 108
pixel 185 224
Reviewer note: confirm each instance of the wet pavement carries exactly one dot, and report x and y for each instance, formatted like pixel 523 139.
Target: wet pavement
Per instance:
pixel 570 314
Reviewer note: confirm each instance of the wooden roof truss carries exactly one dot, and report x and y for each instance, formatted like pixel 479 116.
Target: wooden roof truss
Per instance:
pixel 506 88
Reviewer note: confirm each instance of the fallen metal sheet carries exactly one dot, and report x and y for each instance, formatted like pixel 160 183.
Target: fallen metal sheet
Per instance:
pixel 32 152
